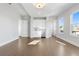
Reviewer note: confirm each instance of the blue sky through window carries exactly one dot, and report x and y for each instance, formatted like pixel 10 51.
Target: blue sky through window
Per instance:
pixel 75 19
pixel 61 22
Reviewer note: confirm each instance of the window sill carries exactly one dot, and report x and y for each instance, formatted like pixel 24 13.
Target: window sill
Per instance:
pixel 61 33
pixel 74 36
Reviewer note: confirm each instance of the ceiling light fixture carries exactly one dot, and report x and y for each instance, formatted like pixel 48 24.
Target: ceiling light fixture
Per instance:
pixel 39 5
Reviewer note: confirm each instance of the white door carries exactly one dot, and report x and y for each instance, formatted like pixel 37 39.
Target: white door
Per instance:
pixel 24 28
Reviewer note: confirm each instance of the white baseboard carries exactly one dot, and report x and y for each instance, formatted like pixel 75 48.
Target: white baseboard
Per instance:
pixel 8 42
pixel 69 41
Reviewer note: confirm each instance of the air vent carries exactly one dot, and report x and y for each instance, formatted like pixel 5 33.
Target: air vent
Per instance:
pixel 40 18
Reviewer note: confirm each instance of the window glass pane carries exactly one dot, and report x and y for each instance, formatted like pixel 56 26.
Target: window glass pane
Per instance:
pixel 75 23
pixel 61 25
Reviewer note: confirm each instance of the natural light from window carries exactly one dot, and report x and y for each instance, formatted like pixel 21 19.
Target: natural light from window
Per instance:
pixel 75 24
pixel 61 25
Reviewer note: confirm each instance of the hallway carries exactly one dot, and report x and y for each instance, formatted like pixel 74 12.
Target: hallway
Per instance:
pixel 47 47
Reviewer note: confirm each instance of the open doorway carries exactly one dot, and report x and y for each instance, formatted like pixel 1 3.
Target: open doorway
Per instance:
pixel 39 27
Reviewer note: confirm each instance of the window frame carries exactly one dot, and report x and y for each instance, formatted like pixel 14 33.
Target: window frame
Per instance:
pixel 71 21
pixel 63 25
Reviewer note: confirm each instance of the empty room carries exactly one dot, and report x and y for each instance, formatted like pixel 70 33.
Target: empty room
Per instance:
pixel 39 29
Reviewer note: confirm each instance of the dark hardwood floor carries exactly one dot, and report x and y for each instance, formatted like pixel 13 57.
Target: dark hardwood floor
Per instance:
pixel 47 47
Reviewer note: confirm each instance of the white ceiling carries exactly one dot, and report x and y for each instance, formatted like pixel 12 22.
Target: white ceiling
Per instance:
pixel 51 9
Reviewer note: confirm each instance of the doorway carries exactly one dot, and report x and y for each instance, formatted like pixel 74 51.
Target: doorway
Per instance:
pixel 39 27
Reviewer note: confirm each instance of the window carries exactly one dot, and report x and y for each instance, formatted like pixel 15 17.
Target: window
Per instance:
pixel 61 25
pixel 75 24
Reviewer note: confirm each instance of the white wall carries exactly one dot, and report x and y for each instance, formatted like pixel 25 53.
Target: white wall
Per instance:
pixel 8 24
pixel 54 27
pixel 50 26
pixel 66 36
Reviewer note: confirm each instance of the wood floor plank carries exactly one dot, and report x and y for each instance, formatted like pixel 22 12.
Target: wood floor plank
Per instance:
pixel 46 47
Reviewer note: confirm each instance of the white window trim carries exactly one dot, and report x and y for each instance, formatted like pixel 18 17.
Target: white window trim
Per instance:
pixel 58 25
pixel 71 16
